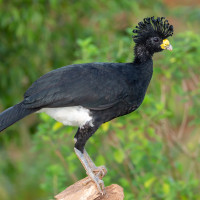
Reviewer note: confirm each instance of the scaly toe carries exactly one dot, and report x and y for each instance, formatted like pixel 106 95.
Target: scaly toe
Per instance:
pixel 100 171
pixel 98 182
pixel 100 185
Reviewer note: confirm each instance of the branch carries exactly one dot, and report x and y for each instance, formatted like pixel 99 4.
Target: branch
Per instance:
pixel 85 189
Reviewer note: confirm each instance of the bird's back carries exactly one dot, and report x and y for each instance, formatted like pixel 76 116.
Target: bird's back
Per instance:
pixel 93 85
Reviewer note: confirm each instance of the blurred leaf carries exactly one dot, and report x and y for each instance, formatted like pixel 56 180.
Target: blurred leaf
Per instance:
pixel 149 182
pixel 105 126
pixel 119 155
pixel 57 126
pixel 166 188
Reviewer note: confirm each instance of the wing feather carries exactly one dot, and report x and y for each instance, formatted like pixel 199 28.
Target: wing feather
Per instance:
pixel 94 85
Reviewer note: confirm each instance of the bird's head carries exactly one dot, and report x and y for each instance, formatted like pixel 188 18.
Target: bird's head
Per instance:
pixel 153 33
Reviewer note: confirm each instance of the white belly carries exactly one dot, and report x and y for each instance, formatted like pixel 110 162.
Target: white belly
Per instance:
pixel 73 116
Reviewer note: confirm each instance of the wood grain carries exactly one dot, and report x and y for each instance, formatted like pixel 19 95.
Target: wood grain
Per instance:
pixel 85 189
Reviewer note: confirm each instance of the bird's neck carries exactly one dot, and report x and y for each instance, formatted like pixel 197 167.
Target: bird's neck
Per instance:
pixel 142 54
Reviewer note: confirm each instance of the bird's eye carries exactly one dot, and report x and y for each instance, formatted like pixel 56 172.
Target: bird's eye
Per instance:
pixel 155 39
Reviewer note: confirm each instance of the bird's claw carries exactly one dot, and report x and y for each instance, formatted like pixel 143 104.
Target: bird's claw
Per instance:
pixel 97 180
pixel 102 187
pixel 100 171
pixel 96 176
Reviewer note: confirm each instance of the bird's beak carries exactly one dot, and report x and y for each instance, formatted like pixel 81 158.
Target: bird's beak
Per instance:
pixel 166 45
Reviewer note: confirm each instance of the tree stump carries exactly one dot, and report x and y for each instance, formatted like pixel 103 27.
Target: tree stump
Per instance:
pixel 85 189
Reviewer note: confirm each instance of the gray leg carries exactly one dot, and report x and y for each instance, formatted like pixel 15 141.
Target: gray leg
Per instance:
pixel 95 173
pixel 100 171
pixel 82 157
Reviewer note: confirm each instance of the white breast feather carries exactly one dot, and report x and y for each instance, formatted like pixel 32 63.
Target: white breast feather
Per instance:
pixel 73 116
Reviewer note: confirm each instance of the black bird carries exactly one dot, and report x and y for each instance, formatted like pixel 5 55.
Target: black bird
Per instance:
pixel 88 95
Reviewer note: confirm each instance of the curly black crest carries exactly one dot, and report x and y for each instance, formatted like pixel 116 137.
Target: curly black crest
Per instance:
pixel 151 27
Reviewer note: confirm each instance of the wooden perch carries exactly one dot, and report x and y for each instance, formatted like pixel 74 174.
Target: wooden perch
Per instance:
pixel 85 189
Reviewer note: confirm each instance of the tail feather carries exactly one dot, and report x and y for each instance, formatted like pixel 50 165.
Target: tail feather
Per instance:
pixel 13 114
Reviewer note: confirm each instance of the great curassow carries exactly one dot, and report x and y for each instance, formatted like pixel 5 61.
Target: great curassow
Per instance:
pixel 88 95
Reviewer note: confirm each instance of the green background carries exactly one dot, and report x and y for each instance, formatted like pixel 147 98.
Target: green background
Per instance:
pixel 153 153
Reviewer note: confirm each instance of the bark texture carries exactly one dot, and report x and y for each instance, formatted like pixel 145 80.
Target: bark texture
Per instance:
pixel 85 189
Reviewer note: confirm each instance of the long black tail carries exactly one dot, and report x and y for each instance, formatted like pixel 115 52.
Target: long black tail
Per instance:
pixel 13 114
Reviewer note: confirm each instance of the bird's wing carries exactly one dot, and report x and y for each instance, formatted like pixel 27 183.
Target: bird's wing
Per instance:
pixel 95 86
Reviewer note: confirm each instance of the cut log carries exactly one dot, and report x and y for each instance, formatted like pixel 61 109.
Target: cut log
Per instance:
pixel 86 189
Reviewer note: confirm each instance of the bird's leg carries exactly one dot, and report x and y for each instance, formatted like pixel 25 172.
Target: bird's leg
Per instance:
pixel 95 173
pixel 101 171
pixel 99 183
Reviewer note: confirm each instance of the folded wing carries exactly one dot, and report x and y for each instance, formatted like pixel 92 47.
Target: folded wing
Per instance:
pixel 96 86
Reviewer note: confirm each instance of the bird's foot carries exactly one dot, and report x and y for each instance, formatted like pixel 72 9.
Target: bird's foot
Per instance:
pixel 97 180
pixel 95 173
pixel 100 171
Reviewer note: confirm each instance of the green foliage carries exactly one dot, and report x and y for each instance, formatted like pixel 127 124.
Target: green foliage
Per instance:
pixel 152 153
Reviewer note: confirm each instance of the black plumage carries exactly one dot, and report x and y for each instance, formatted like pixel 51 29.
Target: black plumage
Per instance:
pixel 105 90
pixel 97 86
